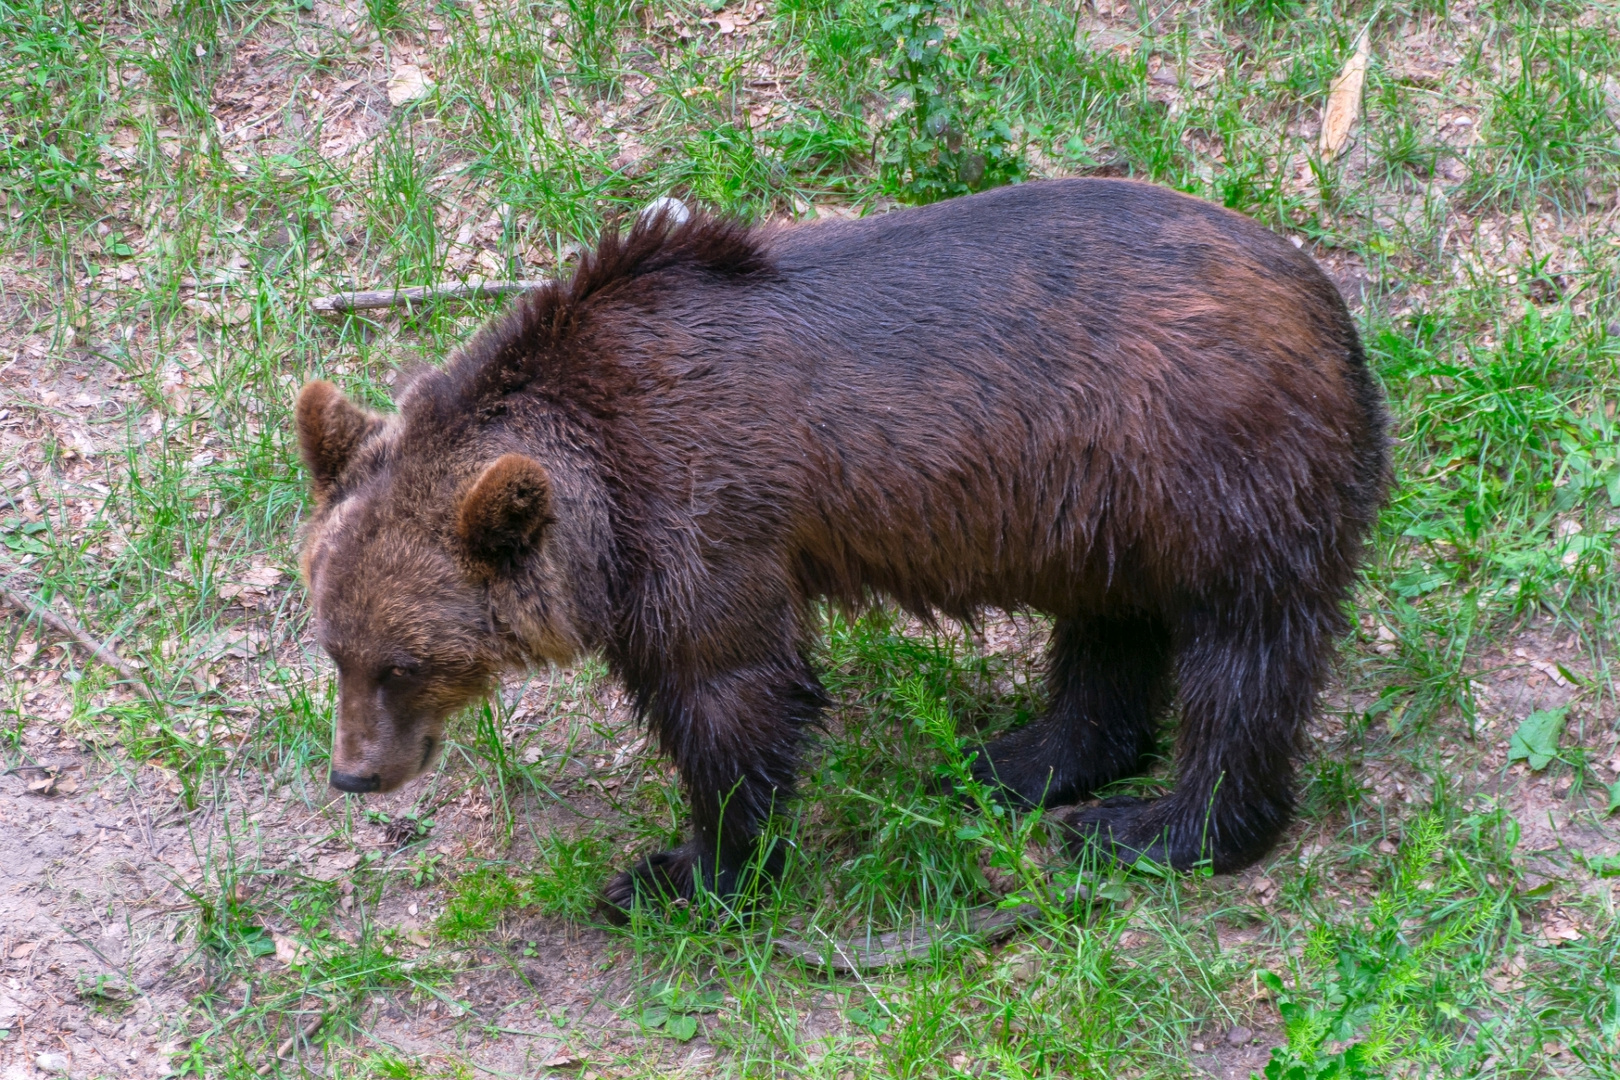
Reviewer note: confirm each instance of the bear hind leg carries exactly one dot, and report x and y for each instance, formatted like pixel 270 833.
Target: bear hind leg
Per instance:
pixel 1248 676
pixel 1108 681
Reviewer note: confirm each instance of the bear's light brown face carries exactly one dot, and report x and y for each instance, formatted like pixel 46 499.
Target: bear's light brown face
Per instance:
pixel 403 572
pixel 408 636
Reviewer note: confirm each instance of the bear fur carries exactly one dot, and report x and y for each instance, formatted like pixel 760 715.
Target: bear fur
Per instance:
pixel 1139 413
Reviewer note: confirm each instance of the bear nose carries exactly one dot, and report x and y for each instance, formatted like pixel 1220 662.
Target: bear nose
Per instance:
pixel 357 785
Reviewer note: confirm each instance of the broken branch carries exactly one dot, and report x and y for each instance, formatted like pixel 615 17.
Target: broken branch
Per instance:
pixel 284 1051
pixel 989 925
pixel 79 636
pixel 340 303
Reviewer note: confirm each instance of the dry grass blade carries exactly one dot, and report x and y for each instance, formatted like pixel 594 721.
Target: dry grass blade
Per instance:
pixel 1344 99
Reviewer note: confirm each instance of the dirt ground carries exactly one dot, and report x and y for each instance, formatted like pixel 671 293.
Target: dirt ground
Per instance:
pixel 105 865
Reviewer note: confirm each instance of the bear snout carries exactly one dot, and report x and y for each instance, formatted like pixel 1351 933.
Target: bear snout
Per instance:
pixel 355 785
pixel 363 763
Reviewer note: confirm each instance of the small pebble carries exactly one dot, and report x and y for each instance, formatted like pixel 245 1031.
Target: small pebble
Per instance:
pixel 1239 1036
pixel 52 1063
pixel 1613 328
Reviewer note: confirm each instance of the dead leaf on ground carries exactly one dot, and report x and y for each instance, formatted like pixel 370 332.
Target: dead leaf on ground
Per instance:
pixel 1558 930
pixel 1344 100
pixel 24 950
pixel 219 314
pixel 53 783
pixel 408 84
pixel 290 950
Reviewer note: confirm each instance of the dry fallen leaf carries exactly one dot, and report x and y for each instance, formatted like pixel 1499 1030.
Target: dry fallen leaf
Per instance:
pixel 1344 100
pixel 219 314
pixel 290 951
pixel 1559 930
pixel 23 951
pixel 1550 670
pixel 343 860
pixel 407 84
pixel 262 576
pixel 53 783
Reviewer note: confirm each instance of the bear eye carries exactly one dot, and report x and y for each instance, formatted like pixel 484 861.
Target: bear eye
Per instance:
pixel 401 671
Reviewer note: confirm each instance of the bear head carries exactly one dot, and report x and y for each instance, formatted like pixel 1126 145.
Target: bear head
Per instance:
pixel 429 572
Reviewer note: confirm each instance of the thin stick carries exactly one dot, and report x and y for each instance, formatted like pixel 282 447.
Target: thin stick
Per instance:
pixel 903 946
pixel 286 1047
pixel 144 823
pixel 339 303
pixel 80 636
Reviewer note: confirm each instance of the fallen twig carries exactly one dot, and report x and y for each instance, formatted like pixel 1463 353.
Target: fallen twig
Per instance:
pixel 144 822
pixel 339 303
pixel 284 1051
pixel 79 635
pixel 898 947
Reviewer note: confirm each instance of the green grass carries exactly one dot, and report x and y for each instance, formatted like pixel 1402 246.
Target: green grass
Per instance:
pixel 164 247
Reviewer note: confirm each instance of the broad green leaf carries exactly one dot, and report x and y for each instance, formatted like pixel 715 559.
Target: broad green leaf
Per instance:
pixel 872 1021
pixel 1603 865
pixel 682 1027
pixel 259 941
pixel 1115 891
pixel 1536 741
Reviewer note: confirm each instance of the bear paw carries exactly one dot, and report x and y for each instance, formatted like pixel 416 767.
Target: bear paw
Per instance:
pixel 1122 829
pixel 662 878
pixel 1167 832
pixel 1019 778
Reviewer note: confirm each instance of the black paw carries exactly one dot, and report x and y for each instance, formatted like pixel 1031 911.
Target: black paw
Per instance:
pixel 1018 776
pixel 674 878
pixel 662 879
pixel 1125 830
pixel 1172 834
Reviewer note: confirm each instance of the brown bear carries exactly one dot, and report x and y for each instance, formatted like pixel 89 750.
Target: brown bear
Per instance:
pixel 1141 414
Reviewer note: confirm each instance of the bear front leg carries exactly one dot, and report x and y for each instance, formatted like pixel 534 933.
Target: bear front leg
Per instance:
pixel 1248 680
pixel 735 738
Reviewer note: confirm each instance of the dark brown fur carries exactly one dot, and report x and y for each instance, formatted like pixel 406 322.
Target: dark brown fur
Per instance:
pixel 1137 412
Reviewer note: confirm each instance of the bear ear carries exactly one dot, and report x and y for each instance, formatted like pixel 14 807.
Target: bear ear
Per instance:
pixel 330 430
pixel 501 516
